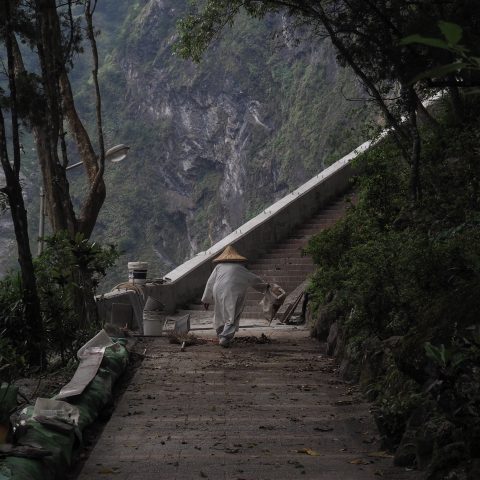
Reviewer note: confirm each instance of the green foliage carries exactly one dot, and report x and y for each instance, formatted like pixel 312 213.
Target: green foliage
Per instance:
pixel 12 325
pixel 408 274
pixel 198 28
pixel 8 401
pixel 12 364
pixel 445 357
pixel 68 268
pixel 465 59
pixel 397 396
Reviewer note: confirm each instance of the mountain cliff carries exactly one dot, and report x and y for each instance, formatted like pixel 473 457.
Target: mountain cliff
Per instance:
pixel 211 144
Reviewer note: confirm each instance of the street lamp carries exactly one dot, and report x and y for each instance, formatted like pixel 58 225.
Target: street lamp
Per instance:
pixel 115 154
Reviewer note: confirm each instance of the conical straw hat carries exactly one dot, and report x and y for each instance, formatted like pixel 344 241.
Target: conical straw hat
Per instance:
pixel 229 255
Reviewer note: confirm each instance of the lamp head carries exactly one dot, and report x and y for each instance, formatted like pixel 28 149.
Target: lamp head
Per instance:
pixel 117 153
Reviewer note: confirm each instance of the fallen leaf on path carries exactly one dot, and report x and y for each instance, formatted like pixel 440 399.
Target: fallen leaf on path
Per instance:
pixel 381 454
pixel 309 451
pixel 232 450
pixel 108 471
pixel 359 461
pixel 323 429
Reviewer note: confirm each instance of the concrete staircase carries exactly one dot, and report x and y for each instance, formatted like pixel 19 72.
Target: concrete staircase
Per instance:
pixel 284 263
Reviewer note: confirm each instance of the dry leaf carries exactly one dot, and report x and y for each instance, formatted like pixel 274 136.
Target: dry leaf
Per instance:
pixel 108 471
pixel 359 461
pixel 381 454
pixel 309 451
pixel 323 429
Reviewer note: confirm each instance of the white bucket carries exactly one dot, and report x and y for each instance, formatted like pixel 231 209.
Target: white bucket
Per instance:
pixel 137 272
pixel 153 324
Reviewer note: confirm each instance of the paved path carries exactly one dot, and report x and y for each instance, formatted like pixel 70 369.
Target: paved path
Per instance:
pixel 251 412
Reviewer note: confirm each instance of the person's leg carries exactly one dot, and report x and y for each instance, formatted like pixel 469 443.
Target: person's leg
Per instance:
pixel 227 334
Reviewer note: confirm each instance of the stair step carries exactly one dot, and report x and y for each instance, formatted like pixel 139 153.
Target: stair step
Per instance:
pixel 322 220
pixel 298 243
pixel 283 261
pixel 285 276
pixel 286 280
pixel 308 230
pixel 299 270
pixel 286 250
pixel 285 254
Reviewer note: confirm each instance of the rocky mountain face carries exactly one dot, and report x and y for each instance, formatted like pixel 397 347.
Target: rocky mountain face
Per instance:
pixel 211 144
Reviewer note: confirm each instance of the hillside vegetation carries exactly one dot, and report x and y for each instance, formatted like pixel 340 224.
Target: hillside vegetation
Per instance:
pixel 397 296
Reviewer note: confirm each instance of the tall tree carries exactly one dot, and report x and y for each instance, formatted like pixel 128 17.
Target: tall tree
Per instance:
pixel 13 192
pixel 51 35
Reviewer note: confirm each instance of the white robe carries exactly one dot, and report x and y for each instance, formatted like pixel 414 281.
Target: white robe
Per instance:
pixel 227 288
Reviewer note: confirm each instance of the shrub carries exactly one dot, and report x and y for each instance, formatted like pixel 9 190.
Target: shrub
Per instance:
pixel 68 273
pixel 412 271
pixel 69 270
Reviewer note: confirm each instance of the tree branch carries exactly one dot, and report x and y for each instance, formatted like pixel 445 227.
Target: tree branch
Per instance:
pixel 13 91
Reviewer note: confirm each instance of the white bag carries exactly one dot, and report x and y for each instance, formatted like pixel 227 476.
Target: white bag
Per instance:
pixel 272 301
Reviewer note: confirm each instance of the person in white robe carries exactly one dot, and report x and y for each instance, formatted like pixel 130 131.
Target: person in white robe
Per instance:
pixel 227 288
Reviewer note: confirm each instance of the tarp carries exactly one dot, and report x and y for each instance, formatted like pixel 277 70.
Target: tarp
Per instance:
pixel 90 356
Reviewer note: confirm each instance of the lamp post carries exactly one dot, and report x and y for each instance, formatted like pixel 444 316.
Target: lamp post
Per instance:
pixel 115 154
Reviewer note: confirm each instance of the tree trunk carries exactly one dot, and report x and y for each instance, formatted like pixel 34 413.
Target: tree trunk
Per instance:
pixel 13 190
pixel 457 103
pixel 415 180
pixel 424 115
pixel 58 202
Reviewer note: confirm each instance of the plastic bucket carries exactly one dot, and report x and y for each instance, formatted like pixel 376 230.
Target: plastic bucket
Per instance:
pixel 137 272
pixel 152 304
pixel 153 324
